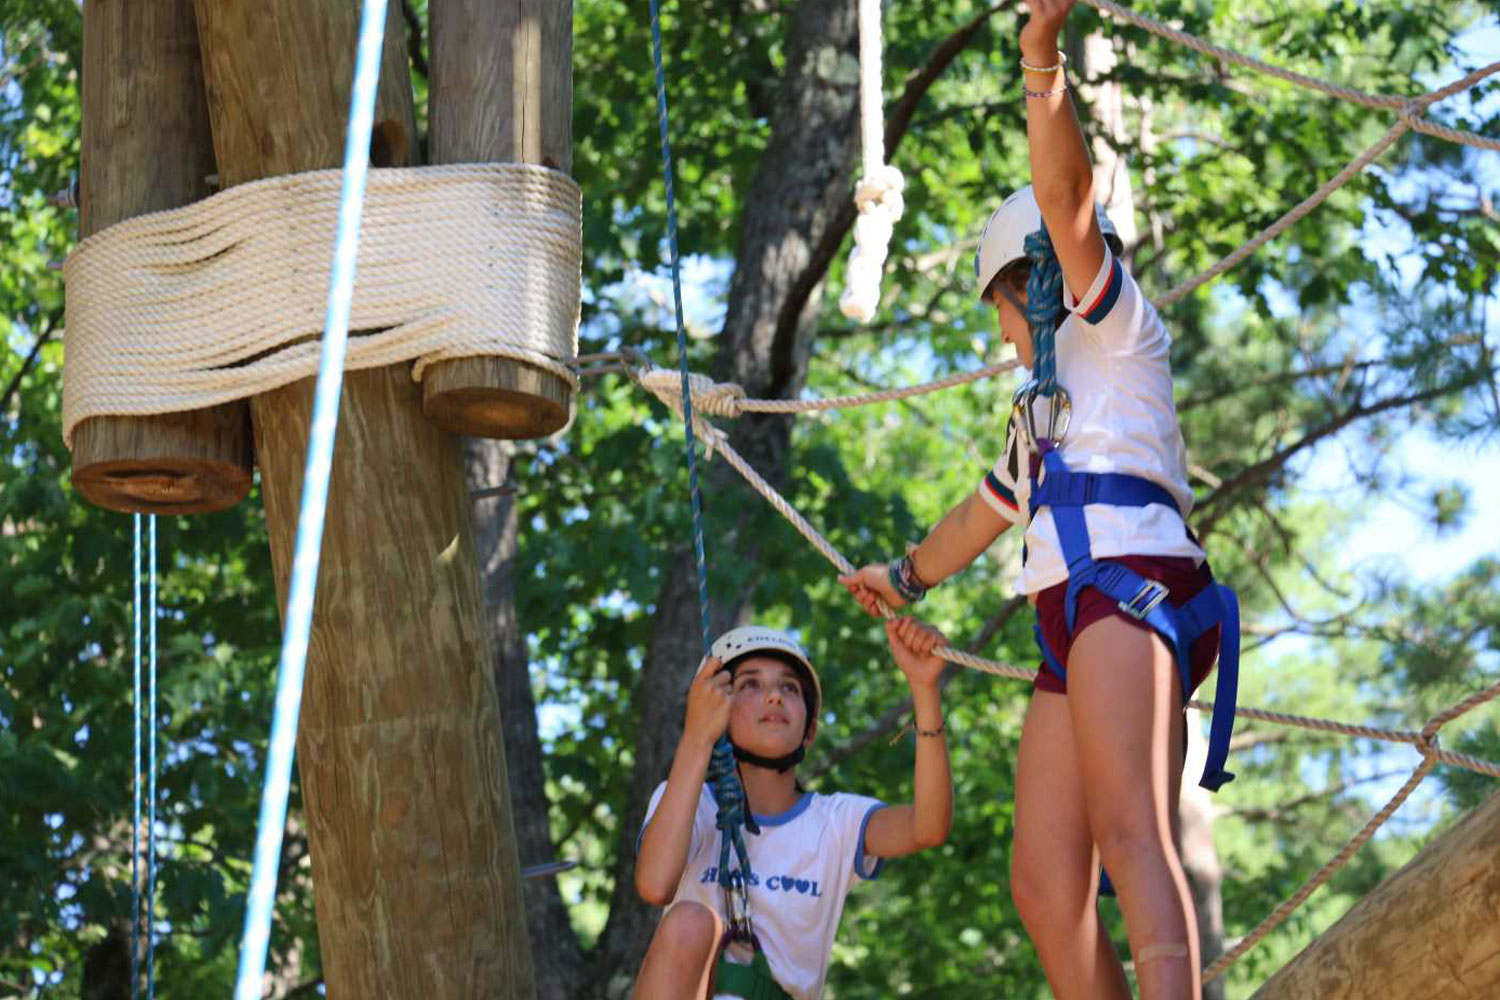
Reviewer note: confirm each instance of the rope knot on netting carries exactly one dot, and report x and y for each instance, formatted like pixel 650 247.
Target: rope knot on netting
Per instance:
pixel 717 399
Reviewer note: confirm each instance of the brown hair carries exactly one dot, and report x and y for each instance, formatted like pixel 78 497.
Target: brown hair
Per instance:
pixel 1014 274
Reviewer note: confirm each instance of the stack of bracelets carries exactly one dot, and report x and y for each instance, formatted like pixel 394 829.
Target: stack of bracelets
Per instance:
pixel 1062 60
pixel 904 578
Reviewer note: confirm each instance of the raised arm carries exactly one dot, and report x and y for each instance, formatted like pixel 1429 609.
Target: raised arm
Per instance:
pixel 1061 173
pixel 665 842
pixel 898 830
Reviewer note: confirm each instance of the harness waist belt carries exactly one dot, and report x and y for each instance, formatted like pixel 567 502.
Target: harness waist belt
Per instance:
pixel 1145 600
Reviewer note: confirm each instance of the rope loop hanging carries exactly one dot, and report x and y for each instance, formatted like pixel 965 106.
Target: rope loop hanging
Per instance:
pixel 877 195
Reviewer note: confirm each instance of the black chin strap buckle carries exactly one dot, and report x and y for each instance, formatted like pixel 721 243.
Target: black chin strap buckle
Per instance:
pixel 779 764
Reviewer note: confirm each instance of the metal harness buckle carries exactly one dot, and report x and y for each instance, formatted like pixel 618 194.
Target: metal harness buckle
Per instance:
pixel 1145 601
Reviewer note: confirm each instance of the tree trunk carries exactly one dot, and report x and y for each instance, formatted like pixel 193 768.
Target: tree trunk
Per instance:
pixel 1429 932
pixel 106 966
pixel 1200 860
pixel 805 178
pixel 400 755
pixel 554 947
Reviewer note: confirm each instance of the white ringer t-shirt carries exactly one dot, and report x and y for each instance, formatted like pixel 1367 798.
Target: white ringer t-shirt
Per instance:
pixel 803 863
pixel 1113 358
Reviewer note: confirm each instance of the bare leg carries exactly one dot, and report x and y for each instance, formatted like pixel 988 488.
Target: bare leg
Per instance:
pixel 1054 868
pixel 680 960
pixel 1126 710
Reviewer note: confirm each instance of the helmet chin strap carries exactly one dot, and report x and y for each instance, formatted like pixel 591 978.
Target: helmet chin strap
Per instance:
pixel 780 764
pixel 1012 298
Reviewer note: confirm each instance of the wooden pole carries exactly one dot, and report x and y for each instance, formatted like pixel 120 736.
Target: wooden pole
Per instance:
pixel 145 148
pixel 399 752
pixel 501 92
pixel 1429 932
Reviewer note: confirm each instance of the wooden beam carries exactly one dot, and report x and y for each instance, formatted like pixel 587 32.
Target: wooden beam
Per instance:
pixel 400 758
pixel 1429 932
pixel 501 92
pixel 145 147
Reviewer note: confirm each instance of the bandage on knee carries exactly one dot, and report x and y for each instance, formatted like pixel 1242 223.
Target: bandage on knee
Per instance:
pixel 1160 952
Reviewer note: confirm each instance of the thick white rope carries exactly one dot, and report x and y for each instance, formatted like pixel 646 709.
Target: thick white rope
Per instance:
pixel 878 193
pixel 223 299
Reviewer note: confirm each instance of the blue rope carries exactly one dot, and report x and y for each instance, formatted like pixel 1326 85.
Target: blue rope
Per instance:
pixel 1044 308
pixel 135 779
pixel 733 818
pixel 151 700
pixel 142 912
pixel 283 742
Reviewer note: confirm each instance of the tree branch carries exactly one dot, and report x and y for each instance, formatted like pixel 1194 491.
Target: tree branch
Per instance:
pixel 54 321
pixel 1282 812
pixel 1260 471
pixel 898 121
pixel 414 39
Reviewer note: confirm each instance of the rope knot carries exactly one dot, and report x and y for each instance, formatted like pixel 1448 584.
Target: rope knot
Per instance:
pixel 1429 741
pixel 717 399
pixel 881 191
pixel 1414 110
pixel 878 195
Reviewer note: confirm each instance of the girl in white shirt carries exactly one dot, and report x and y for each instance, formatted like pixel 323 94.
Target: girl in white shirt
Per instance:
pixel 1128 613
pixel 759 686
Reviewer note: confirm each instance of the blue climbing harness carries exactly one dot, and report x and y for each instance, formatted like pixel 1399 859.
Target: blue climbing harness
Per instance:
pixel 1066 493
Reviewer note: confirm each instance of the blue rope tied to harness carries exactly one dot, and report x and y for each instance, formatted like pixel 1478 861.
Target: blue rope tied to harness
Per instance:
pixel 733 819
pixel 1044 308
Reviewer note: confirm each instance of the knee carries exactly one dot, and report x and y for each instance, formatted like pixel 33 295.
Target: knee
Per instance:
pixel 689 929
pixel 1131 841
pixel 1045 893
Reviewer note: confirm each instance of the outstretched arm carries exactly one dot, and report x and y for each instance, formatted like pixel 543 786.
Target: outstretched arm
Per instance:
pixel 664 844
pixel 956 541
pixel 1061 174
pixel 899 830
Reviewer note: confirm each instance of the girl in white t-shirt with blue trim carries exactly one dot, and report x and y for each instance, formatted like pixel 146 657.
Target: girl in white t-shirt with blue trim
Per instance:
pixel 759 685
pixel 1130 619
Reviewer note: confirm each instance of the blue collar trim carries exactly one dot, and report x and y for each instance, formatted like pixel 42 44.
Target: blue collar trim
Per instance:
pixel 786 817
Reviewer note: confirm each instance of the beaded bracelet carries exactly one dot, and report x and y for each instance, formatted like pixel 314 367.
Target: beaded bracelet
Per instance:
pixel 1045 93
pixel 1062 60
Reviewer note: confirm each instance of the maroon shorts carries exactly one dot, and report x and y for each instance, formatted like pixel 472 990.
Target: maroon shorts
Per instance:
pixel 1182 578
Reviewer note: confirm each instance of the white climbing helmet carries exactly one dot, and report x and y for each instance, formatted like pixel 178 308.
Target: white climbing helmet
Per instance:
pixel 747 639
pixel 1003 240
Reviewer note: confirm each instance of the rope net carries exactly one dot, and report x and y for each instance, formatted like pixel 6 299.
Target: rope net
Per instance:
pixel 720 399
